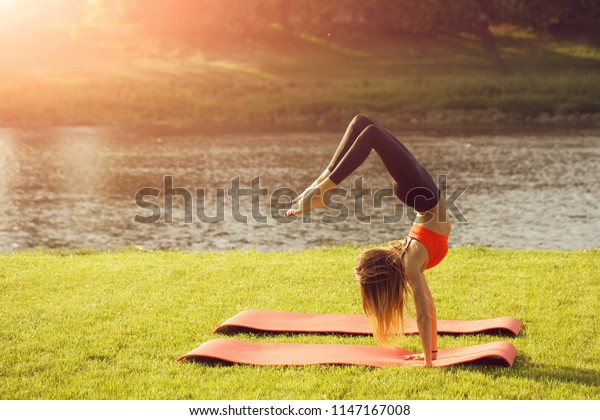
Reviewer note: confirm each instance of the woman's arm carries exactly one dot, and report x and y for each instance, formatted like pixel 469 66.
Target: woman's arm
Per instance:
pixel 433 316
pixel 426 320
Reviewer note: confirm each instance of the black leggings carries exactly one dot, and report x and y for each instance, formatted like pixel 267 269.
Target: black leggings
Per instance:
pixel 412 183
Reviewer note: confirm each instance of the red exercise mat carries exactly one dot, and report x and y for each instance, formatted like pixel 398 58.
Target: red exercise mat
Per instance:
pixel 289 354
pixel 297 322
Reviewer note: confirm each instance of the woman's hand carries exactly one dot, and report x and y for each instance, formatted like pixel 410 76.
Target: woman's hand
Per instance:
pixel 419 356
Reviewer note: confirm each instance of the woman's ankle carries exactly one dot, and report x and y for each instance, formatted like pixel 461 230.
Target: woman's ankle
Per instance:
pixel 323 176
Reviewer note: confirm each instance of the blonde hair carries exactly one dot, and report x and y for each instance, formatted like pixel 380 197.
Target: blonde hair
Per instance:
pixel 384 290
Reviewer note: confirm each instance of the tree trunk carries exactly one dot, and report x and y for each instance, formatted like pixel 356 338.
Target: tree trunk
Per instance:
pixel 488 41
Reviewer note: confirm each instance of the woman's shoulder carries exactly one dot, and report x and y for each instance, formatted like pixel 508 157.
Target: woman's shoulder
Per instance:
pixel 415 257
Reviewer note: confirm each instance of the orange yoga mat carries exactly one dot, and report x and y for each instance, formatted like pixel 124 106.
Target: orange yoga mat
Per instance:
pixel 229 350
pixel 297 322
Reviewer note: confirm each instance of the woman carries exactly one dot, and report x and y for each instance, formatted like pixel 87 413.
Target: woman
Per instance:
pixel 388 275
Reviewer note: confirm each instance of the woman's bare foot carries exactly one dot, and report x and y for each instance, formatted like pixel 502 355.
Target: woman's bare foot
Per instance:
pixel 306 191
pixel 312 199
pixel 312 186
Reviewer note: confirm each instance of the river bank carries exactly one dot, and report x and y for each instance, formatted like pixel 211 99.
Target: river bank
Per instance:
pixel 310 80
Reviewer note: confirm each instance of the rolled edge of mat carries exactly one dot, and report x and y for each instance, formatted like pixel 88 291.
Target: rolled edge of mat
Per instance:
pixel 253 320
pixel 234 351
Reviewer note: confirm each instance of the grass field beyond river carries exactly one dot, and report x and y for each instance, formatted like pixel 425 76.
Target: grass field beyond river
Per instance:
pixel 307 80
pixel 111 325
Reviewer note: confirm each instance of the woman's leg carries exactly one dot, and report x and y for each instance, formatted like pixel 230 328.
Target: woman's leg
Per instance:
pixel 414 186
pixel 356 126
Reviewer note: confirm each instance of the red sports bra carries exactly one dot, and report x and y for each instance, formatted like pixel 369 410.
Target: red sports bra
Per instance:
pixel 435 243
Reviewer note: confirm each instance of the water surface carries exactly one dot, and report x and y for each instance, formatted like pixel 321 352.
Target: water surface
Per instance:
pixel 75 187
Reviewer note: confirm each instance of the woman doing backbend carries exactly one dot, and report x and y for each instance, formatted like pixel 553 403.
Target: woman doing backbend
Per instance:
pixel 388 275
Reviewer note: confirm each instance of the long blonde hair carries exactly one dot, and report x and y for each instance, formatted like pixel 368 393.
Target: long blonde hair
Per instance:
pixel 383 286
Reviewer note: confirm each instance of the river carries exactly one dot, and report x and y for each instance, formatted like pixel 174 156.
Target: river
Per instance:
pixel 76 187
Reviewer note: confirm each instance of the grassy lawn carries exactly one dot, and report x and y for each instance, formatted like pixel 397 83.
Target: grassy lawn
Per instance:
pixel 111 325
pixel 306 79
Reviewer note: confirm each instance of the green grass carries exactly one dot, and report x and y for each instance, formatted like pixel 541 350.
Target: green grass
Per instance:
pixel 304 79
pixel 111 325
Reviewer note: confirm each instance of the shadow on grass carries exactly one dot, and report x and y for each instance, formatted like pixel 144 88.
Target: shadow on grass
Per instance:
pixel 546 373
pixel 230 330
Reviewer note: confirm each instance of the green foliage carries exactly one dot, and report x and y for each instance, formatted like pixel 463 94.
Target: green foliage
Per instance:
pixel 544 14
pixel 314 80
pixel 187 19
pixel 184 18
pixel 110 325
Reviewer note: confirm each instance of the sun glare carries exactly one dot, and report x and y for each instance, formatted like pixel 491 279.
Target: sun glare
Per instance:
pixel 5 4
